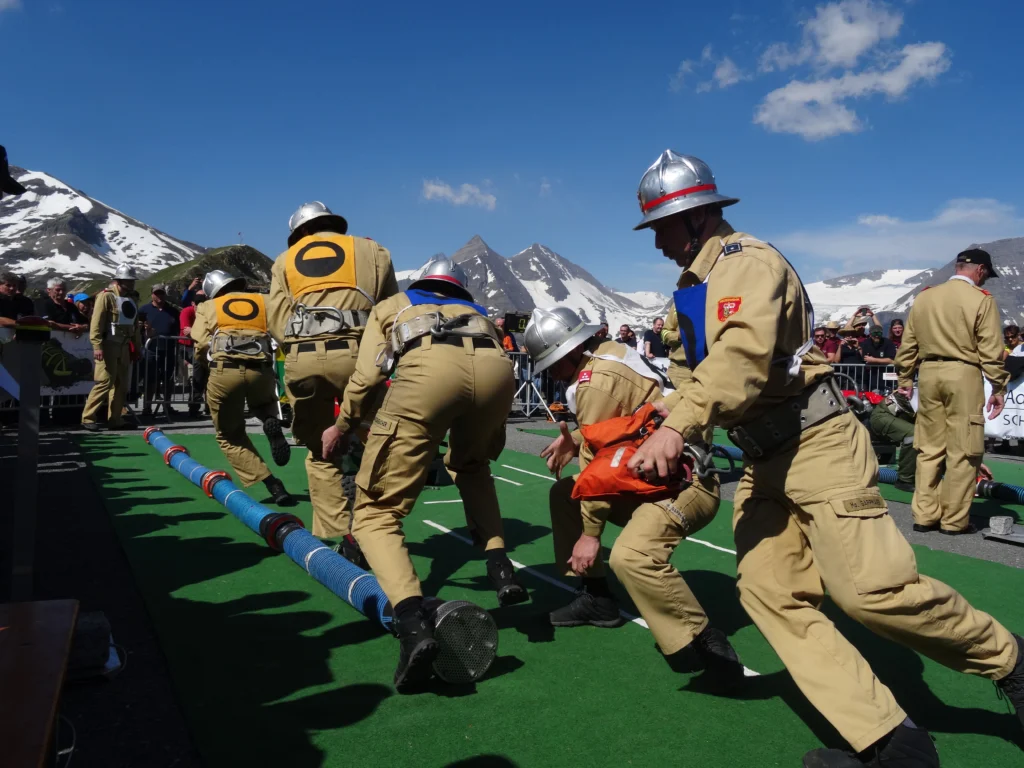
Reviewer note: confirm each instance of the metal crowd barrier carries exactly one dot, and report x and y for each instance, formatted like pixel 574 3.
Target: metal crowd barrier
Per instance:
pixel 869 378
pixel 164 375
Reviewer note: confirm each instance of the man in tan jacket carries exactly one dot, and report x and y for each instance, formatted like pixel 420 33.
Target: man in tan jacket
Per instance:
pixel 807 515
pixel 113 332
pixel 321 292
pixel 953 339
pixel 230 332
pixel 451 376
pixel 607 380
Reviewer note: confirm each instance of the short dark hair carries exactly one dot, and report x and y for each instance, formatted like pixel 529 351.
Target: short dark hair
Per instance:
pixel 8 278
pixel 1011 328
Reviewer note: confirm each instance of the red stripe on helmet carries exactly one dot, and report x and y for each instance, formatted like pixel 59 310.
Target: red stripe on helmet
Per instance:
pixel 680 193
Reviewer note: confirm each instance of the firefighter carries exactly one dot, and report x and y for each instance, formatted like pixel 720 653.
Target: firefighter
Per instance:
pixel 452 376
pixel 230 332
pixel 807 515
pixel 892 420
pixel 321 292
pixel 953 341
pixel 607 380
pixel 116 342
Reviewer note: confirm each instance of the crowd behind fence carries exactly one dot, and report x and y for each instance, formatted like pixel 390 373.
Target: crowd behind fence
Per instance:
pixel 165 377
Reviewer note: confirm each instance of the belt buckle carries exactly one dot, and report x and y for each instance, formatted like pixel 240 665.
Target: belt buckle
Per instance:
pixel 747 444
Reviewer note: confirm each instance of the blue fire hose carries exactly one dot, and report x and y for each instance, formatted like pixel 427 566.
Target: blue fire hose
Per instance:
pixel 283 532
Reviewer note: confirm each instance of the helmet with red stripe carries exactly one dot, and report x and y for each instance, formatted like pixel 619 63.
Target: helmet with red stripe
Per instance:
pixel 677 183
pixel 443 275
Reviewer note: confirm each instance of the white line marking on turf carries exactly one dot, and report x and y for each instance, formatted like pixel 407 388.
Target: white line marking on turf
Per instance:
pixel 709 544
pixel 505 479
pixel 527 472
pixel 747 671
pixel 444 501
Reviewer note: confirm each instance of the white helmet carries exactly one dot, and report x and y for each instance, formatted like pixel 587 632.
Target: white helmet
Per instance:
pixel 217 281
pixel 553 333
pixel 125 272
pixel 445 276
pixel 677 183
pixel 307 212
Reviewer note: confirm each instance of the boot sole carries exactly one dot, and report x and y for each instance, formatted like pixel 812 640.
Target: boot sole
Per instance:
pixel 609 624
pixel 419 668
pixel 513 594
pixel 280 450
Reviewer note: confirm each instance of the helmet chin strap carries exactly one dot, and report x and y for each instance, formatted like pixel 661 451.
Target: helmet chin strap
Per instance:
pixel 694 235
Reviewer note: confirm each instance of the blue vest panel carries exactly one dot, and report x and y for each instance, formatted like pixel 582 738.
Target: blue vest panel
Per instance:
pixel 417 297
pixel 690 304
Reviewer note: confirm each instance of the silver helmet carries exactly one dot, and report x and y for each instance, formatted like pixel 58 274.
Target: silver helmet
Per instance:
pixel 217 281
pixel 307 212
pixel 677 183
pixel 553 333
pixel 443 274
pixel 125 272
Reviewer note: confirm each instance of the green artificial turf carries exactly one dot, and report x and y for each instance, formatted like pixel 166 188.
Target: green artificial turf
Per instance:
pixel 273 670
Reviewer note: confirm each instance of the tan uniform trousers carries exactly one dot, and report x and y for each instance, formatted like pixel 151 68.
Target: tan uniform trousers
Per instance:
pixel 811 519
pixel 227 391
pixel 112 375
pixel 466 392
pixel 950 436
pixel 314 379
pixel 640 557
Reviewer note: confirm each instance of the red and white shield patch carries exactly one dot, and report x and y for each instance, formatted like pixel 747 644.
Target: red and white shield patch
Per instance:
pixel 728 307
pixel 585 376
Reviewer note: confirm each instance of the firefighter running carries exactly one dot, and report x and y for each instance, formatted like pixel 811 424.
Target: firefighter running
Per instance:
pixel 450 376
pixel 116 343
pixel 230 332
pixel 321 292
pixel 808 515
pixel 608 380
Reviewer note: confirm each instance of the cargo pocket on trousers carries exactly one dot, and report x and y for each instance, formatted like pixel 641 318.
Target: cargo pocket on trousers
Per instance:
pixel 975 443
pixel 878 556
pixel 373 468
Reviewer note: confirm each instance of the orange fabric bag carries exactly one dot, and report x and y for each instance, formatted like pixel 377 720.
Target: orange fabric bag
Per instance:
pixel 614 442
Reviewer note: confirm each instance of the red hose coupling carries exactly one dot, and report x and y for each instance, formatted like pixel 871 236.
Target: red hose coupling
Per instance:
pixel 210 479
pixel 173 450
pixel 274 524
pixel 149 431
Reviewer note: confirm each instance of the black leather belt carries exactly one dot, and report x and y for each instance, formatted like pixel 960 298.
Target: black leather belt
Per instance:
pixel 254 365
pixel 310 346
pixel 937 359
pixel 454 341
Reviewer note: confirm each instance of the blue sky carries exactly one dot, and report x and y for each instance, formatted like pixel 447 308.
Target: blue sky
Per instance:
pixel 857 134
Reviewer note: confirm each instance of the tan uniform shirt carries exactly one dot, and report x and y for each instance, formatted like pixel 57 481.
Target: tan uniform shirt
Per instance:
pixel 609 390
pixel 955 320
pixel 205 326
pixel 367 377
pixel 105 312
pixel 756 319
pixel 374 275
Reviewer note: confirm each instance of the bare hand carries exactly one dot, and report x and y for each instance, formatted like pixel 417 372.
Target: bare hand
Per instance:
pixel 985 472
pixel 994 406
pixel 196 282
pixel 561 451
pixel 907 392
pixel 330 440
pixel 97 355
pixel 659 456
pixel 660 408
pixel 584 553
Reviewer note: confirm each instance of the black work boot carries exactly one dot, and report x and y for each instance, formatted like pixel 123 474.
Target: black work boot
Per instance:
pixel 1012 686
pixel 588 608
pixel 279 447
pixel 904 747
pixel 348 548
pixel 91 426
pixel 278 493
pixel 417 650
pixel 506 583
pixel 719 657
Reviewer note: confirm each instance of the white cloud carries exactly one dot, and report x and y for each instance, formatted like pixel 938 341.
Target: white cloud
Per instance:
pixel 9 5
pixel 725 72
pixel 678 80
pixel 815 109
pixel 545 187
pixel 466 194
pixel 879 240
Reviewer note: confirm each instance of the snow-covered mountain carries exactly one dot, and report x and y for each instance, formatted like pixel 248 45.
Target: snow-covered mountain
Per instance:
pixel 53 229
pixel 891 292
pixel 539 277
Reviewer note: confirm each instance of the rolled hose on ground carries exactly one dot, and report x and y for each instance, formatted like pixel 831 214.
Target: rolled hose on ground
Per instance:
pixel 466 634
